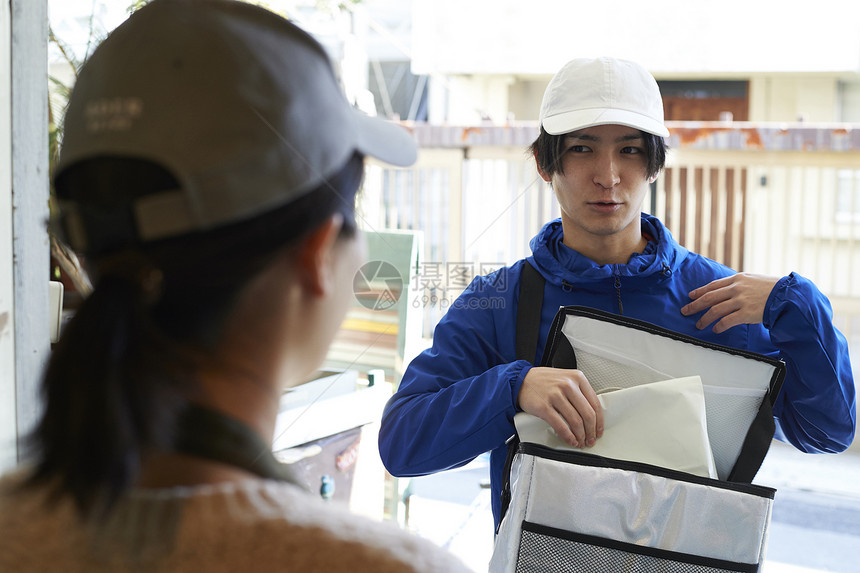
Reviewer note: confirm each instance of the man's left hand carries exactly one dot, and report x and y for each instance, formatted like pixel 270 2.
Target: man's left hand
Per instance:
pixel 734 300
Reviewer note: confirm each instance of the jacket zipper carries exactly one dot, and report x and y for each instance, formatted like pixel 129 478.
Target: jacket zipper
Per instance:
pixel 618 293
pixel 667 271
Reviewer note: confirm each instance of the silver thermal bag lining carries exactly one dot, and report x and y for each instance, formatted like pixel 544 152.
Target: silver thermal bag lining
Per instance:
pixel 614 351
pixel 577 512
pixel 573 511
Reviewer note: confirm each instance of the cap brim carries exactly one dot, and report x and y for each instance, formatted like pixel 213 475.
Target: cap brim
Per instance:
pixel 384 140
pixel 580 119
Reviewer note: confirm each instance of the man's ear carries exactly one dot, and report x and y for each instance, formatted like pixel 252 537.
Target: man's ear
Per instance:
pixel 315 261
pixel 543 175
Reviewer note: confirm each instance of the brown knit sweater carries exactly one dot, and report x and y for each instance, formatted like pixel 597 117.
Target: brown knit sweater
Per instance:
pixel 253 526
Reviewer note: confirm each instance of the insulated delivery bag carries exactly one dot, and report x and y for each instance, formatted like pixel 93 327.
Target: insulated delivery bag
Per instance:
pixel 670 491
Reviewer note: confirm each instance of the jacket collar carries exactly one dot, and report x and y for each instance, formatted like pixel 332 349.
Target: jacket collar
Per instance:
pixel 558 262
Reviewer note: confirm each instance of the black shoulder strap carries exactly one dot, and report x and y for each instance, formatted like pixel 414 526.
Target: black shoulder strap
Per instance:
pixel 528 328
pixel 529 312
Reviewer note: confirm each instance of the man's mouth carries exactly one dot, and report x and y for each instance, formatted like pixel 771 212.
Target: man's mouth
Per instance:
pixel 606 206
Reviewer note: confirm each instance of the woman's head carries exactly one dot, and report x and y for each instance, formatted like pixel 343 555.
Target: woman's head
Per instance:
pixel 187 283
pixel 239 107
pixel 188 169
pixel 131 357
pixel 231 124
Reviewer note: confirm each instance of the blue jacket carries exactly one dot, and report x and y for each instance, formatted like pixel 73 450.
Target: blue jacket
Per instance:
pixel 457 399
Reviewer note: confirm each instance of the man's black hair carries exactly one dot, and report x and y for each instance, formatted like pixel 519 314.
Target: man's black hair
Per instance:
pixel 548 149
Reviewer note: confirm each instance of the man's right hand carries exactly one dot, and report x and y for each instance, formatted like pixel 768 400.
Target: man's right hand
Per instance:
pixel 566 401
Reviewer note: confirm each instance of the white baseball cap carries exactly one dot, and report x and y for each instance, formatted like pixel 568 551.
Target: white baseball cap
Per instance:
pixel 602 91
pixel 241 106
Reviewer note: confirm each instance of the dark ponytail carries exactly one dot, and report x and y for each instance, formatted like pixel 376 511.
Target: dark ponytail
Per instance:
pixel 104 400
pixel 126 362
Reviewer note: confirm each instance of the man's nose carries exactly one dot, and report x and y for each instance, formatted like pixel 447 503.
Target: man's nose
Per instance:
pixel 606 172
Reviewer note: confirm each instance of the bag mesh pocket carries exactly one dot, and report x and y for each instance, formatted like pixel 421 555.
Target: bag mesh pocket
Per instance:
pixel 548 550
pixel 606 373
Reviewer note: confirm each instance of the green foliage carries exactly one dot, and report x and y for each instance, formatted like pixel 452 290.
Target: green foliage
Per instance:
pixel 137 5
pixel 332 6
pixel 58 98
pixel 60 91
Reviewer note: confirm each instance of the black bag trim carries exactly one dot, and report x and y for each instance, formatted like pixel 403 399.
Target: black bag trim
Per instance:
pixel 592 460
pixel 505 494
pixel 563 355
pixel 756 442
pixel 639 549
pixel 587 312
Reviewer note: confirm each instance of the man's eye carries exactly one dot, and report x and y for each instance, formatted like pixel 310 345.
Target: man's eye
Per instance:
pixel 578 148
pixel 631 150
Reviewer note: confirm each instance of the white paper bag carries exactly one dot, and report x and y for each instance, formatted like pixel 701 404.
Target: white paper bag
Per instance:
pixel 659 423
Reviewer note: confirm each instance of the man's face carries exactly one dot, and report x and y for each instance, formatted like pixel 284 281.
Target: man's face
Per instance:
pixel 603 184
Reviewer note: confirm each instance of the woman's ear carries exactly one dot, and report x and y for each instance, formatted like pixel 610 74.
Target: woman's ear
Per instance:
pixel 316 258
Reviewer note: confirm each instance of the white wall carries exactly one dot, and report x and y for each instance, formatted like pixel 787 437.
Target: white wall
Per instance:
pixel 24 248
pixel 820 98
pixel 464 100
pixel 850 100
pixel 8 452
pixel 666 36
pixel 794 56
pixel 814 98
pixel 525 97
